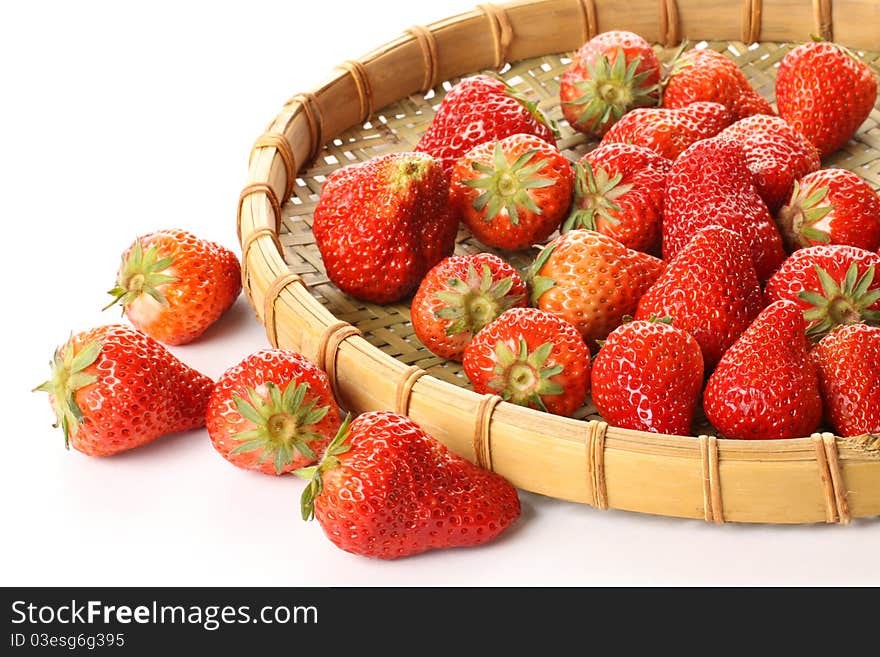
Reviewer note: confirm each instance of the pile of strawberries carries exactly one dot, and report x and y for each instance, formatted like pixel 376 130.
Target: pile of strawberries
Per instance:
pixel 701 254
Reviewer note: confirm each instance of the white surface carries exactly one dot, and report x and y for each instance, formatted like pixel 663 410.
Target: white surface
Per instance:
pixel 119 119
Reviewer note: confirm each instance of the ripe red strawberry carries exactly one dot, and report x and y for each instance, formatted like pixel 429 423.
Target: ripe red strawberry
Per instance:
pixel 832 206
pixel 591 280
pixel 173 285
pixel 824 92
pixel 461 295
pixel 530 358
pixel 386 489
pixel 765 386
pixel 609 75
pixel 707 75
pixel 619 192
pixel 710 290
pixel 114 388
pixel 849 378
pixel 833 284
pixel 382 224
pixel 512 193
pixel 479 109
pixel 273 412
pixel 668 132
pixel 711 184
pixel 776 154
pixel 648 376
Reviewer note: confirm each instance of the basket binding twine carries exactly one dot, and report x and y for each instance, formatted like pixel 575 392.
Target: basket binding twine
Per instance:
pixel 374 361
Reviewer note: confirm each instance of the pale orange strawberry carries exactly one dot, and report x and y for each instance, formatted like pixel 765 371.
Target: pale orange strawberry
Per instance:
pixel 591 280
pixel 173 285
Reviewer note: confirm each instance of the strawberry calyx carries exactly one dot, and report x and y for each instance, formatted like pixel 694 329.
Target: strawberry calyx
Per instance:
pixel 67 377
pixel 595 193
pixel 141 272
pixel 408 169
pixel 282 422
pixel 475 302
pixel 530 105
pixel 540 284
pixel 797 220
pixel 315 473
pixel 845 302
pixel 506 186
pixel 611 90
pixel 676 64
pixel 521 378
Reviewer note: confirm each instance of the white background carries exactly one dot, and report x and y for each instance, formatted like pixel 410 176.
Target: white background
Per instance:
pixel 120 118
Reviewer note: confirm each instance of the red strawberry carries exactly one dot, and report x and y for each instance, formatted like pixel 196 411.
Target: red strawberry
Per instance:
pixel 668 132
pixel 824 92
pixel 592 281
pixel 382 224
pixel 530 358
pixel 173 285
pixel 776 154
pixel 648 376
pixel 832 206
pixel 849 377
pixel 765 386
pixel 479 109
pixel 711 184
pixel 833 284
pixel 710 290
pixel 273 412
pixel 611 73
pixel 386 489
pixel 512 193
pixel 706 75
pixel 113 388
pixel 619 192
pixel 460 296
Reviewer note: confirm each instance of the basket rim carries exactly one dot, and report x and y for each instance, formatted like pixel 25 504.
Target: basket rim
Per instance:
pixel 332 343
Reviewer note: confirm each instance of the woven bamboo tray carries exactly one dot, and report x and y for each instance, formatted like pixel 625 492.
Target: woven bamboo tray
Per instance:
pixel 382 103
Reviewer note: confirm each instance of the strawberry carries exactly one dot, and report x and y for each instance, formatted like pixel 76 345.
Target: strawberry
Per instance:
pixel 833 284
pixel 648 376
pixel 380 225
pixel 273 412
pixel 609 75
pixel 459 296
pixel 711 184
pixel 386 489
pixel 619 192
pixel 705 75
pixel 710 290
pixel 824 92
pixel 776 154
pixel 591 280
pixel 114 388
pixel 765 386
pixel 173 285
pixel 668 132
pixel 512 193
pixel 530 358
pixel 849 378
pixel 479 109
pixel 832 206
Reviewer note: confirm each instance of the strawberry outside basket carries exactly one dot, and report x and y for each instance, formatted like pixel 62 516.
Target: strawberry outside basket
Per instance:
pixel 382 103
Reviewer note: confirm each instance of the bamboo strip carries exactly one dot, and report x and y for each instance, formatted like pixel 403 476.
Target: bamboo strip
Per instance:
pixel 280 143
pixel 404 390
pixel 483 431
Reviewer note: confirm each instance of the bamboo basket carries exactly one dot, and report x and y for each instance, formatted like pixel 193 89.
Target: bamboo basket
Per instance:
pixel 381 103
